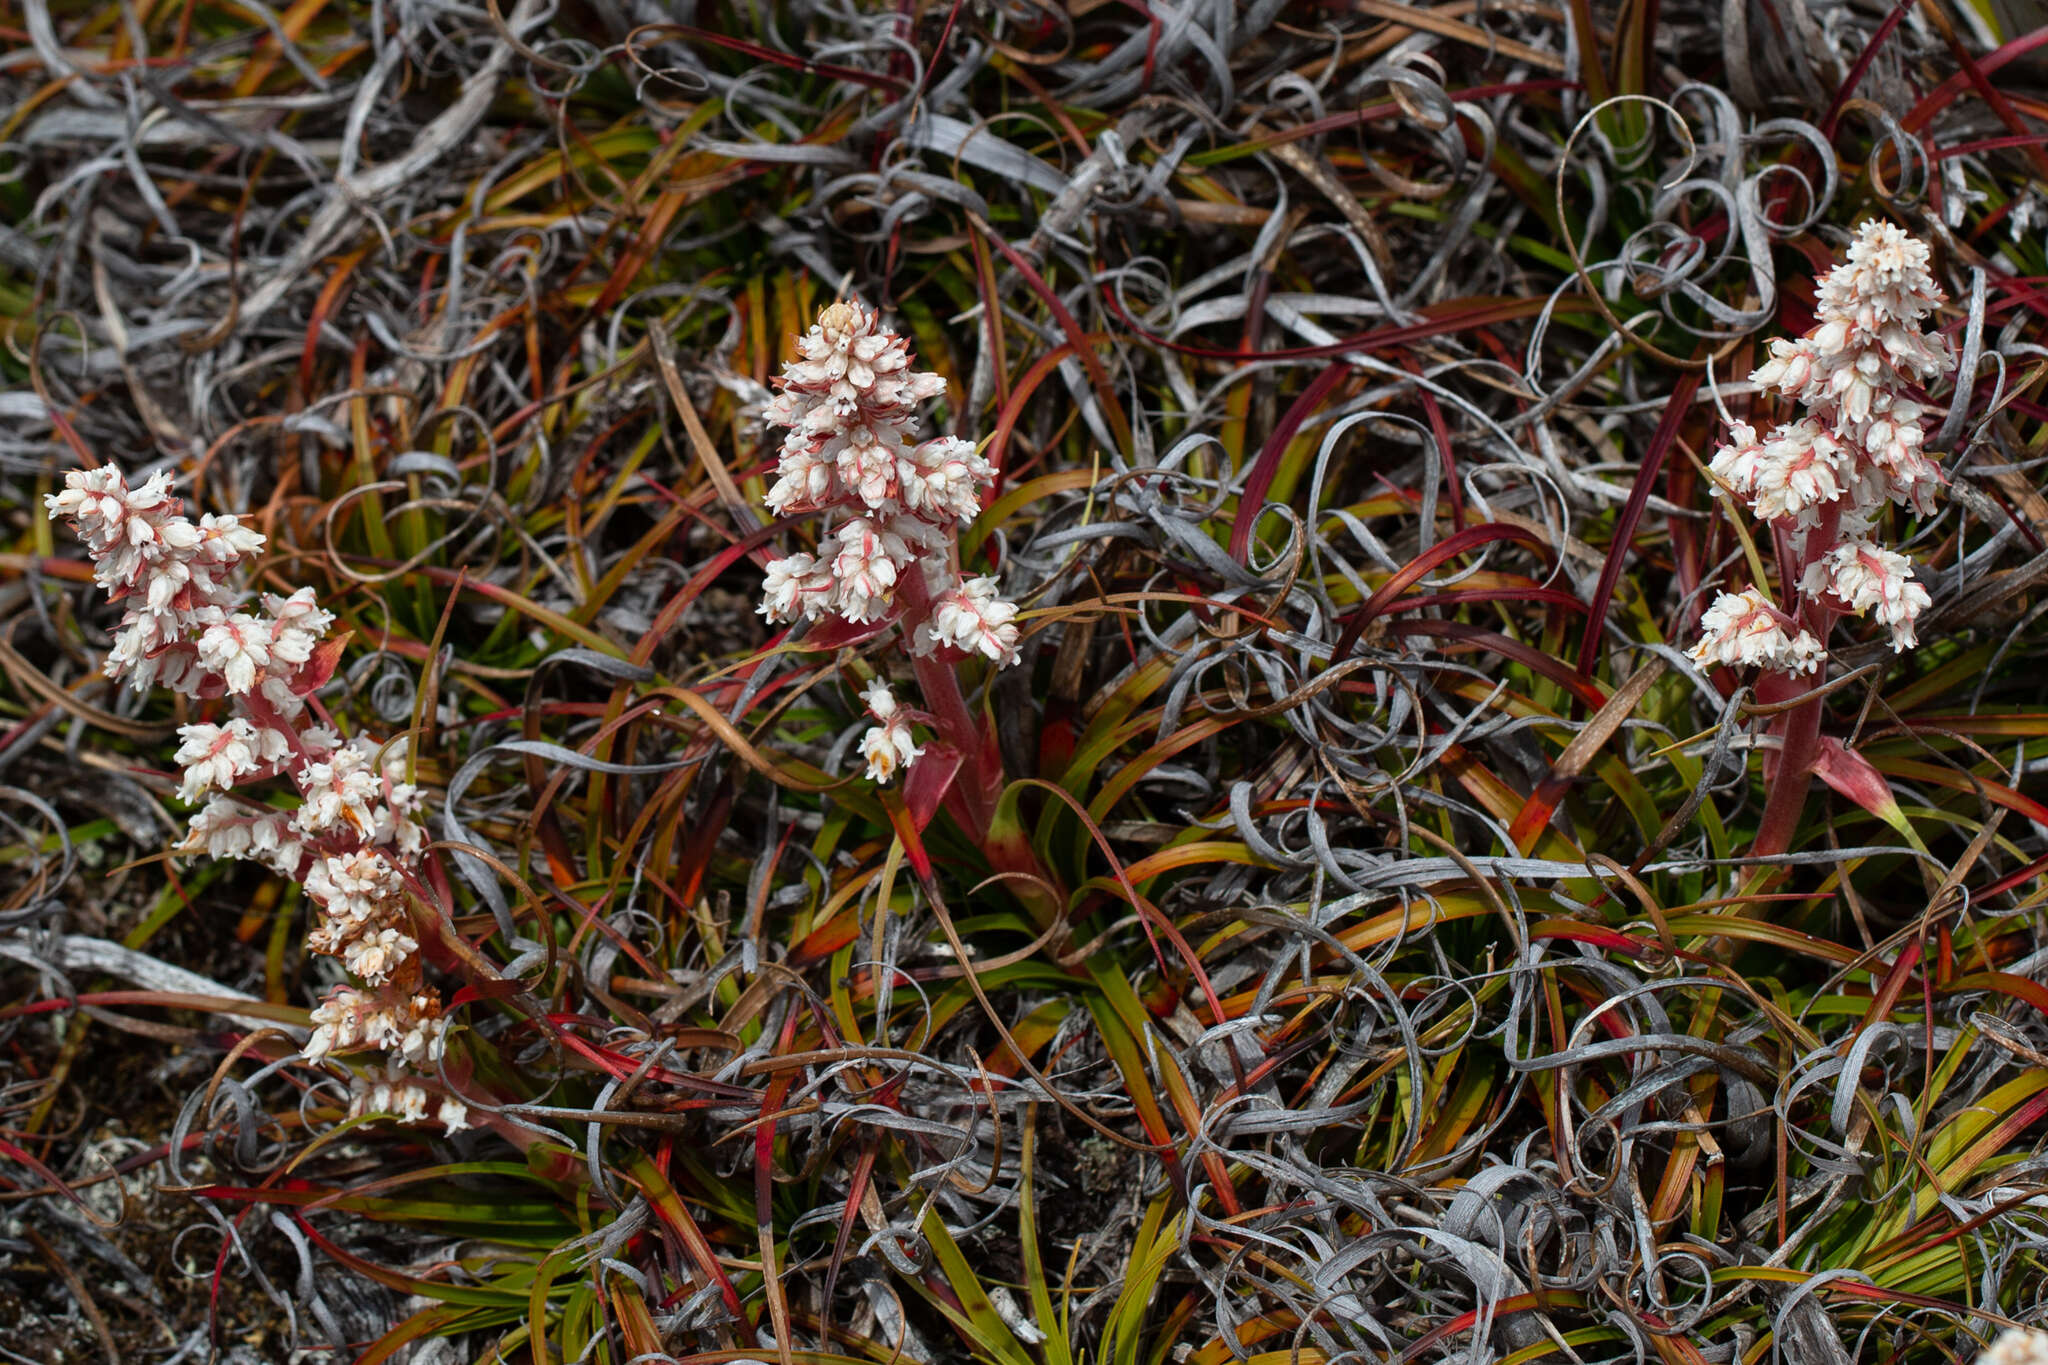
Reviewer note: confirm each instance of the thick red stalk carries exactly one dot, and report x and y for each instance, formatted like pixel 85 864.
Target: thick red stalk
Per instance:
pixel 973 796
pixel 1798 730
pixel 976 794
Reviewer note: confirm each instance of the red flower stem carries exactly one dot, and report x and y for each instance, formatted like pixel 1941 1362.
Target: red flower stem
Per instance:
pixel 973 796
pixel 1798 730
pixel 956 724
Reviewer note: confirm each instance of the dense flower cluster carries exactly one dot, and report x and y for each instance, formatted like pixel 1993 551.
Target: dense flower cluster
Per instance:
pixel 1743 628
pixel 849 404
pixel 354 837
pixel 1826 476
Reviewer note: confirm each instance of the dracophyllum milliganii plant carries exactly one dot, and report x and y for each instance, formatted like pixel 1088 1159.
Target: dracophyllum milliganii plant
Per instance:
pixel 887 563
pixel 353 841
pixel 1822 483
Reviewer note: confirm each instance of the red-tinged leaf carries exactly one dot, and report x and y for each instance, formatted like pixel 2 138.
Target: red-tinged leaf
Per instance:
pixel 1515 1303
pixel 836 632
pixel 1676 409
pixel 1442 319
pixel 925 785
pixel 1536 812
pixel 1132 773
pixel 1889 989
pixel 907 833
pixel 1997 1139
pixel 1478 637
pixel 545 617
pixel 636 1323
pixel 561 858
pixel 1267 465
pixel 339 281
pixel 427 1322
pixel 1863 61
pixel 1446 447
pixel 2025 724
pixel 1850 1289
pixel 856 1189
pixel 1763 931
pixel 2010 880
pixel 1149 914
pixel 1059 734
pixel 1098 377
pixel 1550 597
pixel 1009 845
pixel 552 1161
pixel 1937 775
pixel 1943 96
pixel 1611 939
pixel 1542 804
pixel 1450 547
pixel 2005 983
pixel 1994 98
pixel 825 940
pixel 1179 856
pixel 1124 1039
pixel 317 670
pixel 474 1296
pixel 1674 1348
pixel 615 1063
pixel 50 1181
pixel 1160 998
pixel 673 610
pixel 669 1207
pixel 1855 777
pixel 697 851
pixel 504 988
pixel 651 33
pixel 997 450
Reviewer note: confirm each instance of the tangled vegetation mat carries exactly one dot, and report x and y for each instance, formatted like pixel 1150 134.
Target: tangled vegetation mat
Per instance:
pixel 1367 934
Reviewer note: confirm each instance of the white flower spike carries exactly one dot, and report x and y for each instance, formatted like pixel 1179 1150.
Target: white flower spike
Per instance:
pixel 849 405
pixel 1858 448
pixel 353 839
